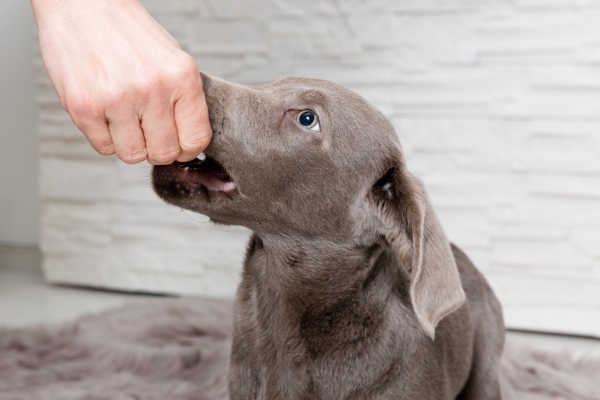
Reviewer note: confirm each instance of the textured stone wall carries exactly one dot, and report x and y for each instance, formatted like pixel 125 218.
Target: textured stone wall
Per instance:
pixel 496 103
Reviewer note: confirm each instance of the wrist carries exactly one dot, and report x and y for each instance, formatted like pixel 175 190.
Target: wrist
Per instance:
pixel 45 9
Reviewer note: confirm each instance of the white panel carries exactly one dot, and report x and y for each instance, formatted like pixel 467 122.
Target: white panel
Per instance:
pixel 496 103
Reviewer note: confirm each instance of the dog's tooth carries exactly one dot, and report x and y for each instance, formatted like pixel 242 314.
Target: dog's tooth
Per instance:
pixel 202 156
pixel 186 168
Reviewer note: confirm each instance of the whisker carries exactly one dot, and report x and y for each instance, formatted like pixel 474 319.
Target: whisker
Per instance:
pixel 186 214
pixel 200 222
pixel 304 59
pixel 295 48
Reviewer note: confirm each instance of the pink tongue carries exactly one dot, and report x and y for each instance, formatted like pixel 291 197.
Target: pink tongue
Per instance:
pixel 215 182
pixel 207 166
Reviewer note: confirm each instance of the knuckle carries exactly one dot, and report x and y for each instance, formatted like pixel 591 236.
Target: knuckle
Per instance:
pixel 100 141
pixel 196 144
pixel 189 65
pixel 105 150
pixel 132 156
pixel 164 158
pixel 133 160
pixel 115 98
pixel 186 68
pixel 103 147
pixel 79 106
pixel 149 84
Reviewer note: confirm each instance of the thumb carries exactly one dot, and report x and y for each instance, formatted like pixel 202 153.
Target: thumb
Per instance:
pixel 191 119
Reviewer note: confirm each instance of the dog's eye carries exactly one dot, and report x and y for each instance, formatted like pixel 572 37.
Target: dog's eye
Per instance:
pixel 308 119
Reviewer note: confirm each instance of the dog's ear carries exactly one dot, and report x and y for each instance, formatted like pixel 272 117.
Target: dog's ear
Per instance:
pixel 416 236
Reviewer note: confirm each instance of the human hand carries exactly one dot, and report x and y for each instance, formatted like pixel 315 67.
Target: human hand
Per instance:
pixel 123 79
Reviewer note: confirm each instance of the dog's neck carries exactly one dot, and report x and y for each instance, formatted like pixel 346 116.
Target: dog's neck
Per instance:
pixel 312 288
pixel 307 268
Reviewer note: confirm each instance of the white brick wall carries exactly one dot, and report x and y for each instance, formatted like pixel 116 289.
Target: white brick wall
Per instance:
pixel 496 103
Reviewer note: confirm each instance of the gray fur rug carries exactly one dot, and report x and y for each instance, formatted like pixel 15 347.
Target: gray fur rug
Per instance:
pixel 177 349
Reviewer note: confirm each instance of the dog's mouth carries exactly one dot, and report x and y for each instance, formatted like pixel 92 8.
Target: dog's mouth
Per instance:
pixel 205 171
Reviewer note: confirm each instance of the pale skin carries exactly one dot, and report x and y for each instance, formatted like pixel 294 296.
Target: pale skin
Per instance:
pixel 123 79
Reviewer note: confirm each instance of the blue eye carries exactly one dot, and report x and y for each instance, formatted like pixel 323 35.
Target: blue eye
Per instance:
pixel 308 119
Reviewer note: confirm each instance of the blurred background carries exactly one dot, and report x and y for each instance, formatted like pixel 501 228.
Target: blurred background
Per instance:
pixel 496 103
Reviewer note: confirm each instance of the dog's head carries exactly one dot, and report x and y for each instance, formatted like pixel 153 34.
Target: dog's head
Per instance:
pixel 303 157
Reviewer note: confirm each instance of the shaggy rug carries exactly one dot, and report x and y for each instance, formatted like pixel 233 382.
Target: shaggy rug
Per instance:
pixel 177 349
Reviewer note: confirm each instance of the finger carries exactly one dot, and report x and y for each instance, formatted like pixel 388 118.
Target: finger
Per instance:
pixel 193 126
pixel 95 129
pixel 128 139
pixel 160 133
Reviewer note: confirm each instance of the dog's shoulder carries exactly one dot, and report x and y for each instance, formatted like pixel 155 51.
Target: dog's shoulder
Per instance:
pixel 471 277
pixel 479 292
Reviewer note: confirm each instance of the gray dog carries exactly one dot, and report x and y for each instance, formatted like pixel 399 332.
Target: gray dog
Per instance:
pixel 350 289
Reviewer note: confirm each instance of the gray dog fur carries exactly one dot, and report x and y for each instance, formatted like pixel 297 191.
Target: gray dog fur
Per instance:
pixel 350 289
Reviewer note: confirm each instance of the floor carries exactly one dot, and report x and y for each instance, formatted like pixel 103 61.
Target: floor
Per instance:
pixel 26 299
